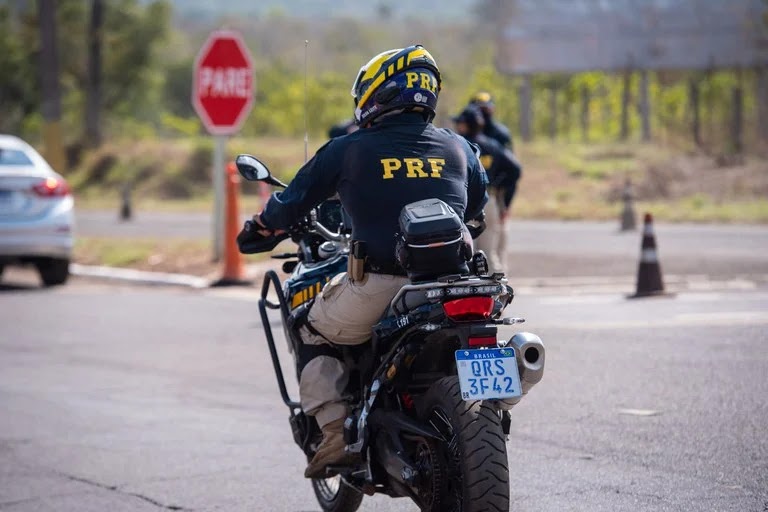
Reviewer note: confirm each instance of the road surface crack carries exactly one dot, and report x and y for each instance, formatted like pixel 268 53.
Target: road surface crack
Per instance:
pixel 115 488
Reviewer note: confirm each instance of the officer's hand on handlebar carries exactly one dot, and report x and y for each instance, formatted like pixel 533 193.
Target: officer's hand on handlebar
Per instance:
pixel 262 229
pixel 254 238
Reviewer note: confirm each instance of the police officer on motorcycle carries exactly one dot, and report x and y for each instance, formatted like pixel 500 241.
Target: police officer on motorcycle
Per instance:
pixel 503 173
pixel 397 157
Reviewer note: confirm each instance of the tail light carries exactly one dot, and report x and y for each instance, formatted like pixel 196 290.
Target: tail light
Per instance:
pixel 52 187
pixel 469 309
pixel 483 341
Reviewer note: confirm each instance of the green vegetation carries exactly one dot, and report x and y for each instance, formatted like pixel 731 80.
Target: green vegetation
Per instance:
pixel 148 59
pixel 675 187
pixel 114 253
pixel 155 254
pixel 154 143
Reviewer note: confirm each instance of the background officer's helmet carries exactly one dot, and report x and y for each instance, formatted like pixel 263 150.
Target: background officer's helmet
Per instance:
pixel 405 79
pixel 470 121
pixel 484 101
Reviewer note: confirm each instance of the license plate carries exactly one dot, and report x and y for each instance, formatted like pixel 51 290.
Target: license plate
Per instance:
pixel 488 373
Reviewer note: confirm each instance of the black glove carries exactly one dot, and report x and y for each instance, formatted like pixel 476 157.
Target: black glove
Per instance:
pixel 249 237
pixel 250 241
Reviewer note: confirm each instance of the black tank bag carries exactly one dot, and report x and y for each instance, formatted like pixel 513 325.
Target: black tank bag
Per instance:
pixel 432 241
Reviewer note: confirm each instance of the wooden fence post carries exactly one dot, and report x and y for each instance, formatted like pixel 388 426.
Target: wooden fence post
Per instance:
pixel 584 113
pixel 693 95
pixel 526 113
pixel 625 98
pixel 737 141
pixel 645 106
pixel 553 112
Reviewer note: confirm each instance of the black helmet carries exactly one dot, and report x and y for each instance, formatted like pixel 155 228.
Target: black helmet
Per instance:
pixel 405 78
pixel 472 117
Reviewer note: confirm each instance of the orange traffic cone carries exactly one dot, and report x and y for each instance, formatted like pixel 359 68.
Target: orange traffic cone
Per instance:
pixel 234 272
pixel 649 280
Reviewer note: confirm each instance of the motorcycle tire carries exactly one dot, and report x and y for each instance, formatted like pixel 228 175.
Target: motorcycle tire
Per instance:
pixel 473 473
pixel 333 495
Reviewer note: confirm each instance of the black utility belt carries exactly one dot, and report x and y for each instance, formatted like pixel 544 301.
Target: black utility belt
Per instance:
pixel 392 269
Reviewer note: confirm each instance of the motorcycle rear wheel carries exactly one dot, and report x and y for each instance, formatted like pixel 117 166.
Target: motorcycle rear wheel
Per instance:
pixel 473 473
pixel 333 495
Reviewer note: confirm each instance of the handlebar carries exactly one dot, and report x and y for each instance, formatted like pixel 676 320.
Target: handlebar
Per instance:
pixel 249 240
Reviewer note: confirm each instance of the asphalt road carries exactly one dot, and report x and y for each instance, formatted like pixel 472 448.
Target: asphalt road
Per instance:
pixel 145 399
pixel 536 248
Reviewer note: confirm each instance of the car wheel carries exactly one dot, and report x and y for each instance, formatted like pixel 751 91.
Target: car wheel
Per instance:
pixel 2 267
pixel 53 271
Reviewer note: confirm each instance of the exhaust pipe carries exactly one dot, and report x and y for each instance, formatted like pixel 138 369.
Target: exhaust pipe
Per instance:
pixel 529 351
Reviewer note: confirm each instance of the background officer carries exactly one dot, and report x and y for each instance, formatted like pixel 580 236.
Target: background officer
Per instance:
pixel 501 134
pixel 503 173
pixel 493 128
pixel 342 128
pixel 396 158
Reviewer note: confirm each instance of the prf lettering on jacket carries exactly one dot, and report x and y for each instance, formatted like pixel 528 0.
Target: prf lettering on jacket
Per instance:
pixel 414 167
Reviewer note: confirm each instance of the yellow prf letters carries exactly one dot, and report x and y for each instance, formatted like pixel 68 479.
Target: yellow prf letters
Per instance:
pixel 414 167
pixel 422 80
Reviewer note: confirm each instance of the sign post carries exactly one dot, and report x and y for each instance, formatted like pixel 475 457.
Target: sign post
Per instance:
pixel 222 95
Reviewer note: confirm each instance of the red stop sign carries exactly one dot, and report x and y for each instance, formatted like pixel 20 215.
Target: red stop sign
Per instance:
pixel 222 82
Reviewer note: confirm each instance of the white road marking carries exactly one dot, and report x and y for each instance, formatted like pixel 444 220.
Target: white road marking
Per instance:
pixel 639 412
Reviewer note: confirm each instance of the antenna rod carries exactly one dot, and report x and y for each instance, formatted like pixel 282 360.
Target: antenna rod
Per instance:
pixel 306 132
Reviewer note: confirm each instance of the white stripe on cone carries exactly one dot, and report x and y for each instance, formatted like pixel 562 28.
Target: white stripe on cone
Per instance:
pixel 648 230
pixel 649 256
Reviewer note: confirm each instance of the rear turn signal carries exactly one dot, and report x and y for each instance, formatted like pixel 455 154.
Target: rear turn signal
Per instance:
pixel 52 187
pixel 469 309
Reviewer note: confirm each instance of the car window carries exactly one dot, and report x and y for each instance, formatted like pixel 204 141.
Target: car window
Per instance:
pixel 14 157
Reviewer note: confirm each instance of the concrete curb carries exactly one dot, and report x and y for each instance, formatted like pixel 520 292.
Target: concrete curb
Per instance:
pixel 146 277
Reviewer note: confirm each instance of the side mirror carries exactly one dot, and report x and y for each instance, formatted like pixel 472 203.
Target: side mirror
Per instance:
pixel 252 169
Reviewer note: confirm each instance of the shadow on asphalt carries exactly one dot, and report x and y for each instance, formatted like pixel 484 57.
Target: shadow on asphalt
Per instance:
pixel 16 287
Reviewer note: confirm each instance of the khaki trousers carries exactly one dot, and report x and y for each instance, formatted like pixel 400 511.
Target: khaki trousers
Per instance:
pixel 343 313
pixel 490 240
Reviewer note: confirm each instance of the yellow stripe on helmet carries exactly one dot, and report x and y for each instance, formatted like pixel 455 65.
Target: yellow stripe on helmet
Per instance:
pixel 419 52
pixel 372 88
pixel 374 66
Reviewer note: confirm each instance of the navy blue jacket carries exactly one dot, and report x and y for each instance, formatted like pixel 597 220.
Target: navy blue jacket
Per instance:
pixel 378 170
pixel 500 164
pixel 497 132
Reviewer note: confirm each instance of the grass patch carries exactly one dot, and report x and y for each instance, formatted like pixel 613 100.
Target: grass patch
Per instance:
pixel 560 180
pixel 597 169
pixel 162 255
pixel 113 253
pixel 699 208
pixel 155 254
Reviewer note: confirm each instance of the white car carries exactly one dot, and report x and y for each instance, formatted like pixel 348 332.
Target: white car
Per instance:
pixel 36 212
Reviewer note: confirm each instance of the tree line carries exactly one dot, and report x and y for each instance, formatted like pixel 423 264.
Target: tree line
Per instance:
pixel 124 70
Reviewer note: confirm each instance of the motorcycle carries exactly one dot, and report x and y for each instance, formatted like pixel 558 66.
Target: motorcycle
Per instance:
pixel 430 394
